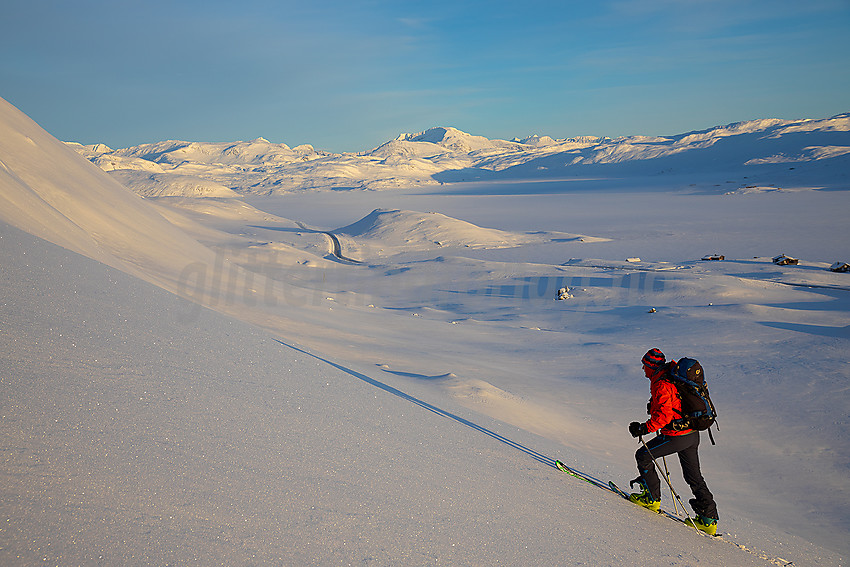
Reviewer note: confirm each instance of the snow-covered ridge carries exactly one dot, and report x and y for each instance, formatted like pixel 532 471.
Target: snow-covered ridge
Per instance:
pixel 389 224
pixel 445 154
pixel 457 141
pixel 394 230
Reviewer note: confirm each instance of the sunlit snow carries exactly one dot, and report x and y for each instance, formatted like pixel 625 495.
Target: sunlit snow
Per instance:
pixel 247 353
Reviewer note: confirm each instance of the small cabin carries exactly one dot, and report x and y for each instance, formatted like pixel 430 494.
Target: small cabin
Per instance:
pixel 840 267
pixel 714 257
pixel 783 260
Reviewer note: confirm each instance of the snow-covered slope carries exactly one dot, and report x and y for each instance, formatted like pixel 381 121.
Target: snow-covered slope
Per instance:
pixel 387 231
pixel 134 435
pixel 779 153
pixel 393 226
pixel 423 366
pixel 48 191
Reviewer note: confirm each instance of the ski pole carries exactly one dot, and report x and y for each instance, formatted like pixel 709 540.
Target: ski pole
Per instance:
pixel 672 490
pixel 667 474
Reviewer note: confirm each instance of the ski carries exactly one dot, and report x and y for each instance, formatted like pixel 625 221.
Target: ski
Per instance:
pixel 612 487
pixel 583 476
pixel 674 517
pixel 617 489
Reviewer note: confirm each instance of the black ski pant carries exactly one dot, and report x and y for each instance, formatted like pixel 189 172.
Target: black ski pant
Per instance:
pixel 687 447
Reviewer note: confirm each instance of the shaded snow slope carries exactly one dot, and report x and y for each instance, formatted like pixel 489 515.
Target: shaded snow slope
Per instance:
pixel 48 191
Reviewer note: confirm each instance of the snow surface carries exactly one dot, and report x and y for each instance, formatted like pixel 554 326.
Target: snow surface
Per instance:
pixel 202 380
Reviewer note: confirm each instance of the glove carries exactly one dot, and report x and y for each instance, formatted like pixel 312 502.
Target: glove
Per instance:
pixel 637 429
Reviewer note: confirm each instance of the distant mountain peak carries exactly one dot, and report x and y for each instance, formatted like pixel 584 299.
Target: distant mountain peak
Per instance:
pixel 455 140
pixel 438 135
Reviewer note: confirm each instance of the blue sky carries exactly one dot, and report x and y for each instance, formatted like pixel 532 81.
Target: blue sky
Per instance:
pixel 350 75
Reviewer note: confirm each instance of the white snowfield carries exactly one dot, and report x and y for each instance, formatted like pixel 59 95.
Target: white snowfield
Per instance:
pixel 190 375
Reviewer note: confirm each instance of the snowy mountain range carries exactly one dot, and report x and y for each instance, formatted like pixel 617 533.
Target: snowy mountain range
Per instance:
pixel 767 152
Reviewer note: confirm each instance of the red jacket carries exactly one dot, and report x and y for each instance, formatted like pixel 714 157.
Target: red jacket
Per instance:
pixel 665 404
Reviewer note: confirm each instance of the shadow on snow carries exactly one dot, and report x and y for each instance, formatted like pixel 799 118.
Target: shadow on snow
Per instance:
pixel 434 409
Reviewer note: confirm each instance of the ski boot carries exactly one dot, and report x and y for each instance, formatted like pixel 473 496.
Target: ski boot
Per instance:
pixel 707 525
pixel 644 498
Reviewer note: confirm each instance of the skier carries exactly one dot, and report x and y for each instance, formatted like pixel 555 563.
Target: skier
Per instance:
pixel 662 408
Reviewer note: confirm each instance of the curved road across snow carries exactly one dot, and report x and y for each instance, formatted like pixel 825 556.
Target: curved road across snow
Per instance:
pixel 336 247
